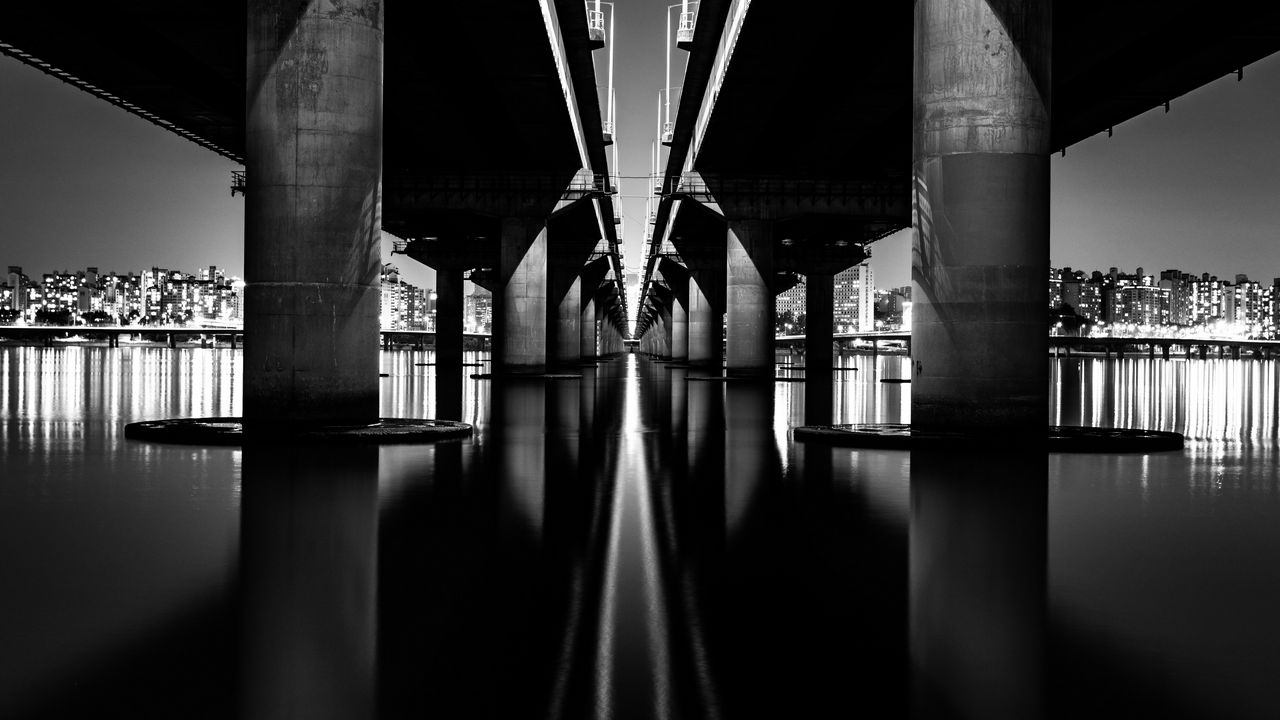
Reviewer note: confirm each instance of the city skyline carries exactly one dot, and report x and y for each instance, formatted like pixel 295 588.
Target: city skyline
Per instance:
pixel 81 176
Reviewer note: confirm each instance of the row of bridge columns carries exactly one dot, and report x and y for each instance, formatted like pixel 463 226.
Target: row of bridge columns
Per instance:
pixel 313 234
pixel 980 211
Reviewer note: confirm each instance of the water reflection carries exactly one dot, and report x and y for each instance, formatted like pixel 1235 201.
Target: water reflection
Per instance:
pixel 978 572
pixel 308 559
pixel 861 397
pixel 632 543
pixel 1216 400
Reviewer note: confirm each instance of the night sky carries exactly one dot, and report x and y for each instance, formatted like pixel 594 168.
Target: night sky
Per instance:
pixel 87 184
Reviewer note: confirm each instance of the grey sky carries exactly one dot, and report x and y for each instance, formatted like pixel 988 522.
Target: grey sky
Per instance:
pixel 87 184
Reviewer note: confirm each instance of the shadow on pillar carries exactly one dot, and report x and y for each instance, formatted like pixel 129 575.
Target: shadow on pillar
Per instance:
pixel 978 573
pixel 309 578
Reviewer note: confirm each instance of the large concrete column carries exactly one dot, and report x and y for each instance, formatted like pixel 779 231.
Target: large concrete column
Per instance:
pixel 667 333
pixel 449 310
pixel 679 331
pixel 587 334
pixel 568 336
pixel 313 150
pixel 749 303
pixel 704 327
pixel 981 215
pixel 819 291
pixel 520 303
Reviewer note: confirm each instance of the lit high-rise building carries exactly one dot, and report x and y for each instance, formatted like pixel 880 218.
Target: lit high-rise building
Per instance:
pixel 854 300
pixel 791 301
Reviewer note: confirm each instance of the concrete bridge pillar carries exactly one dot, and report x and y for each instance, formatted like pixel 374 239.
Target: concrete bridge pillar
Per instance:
pixel 313 148
pixel 704 327
pixel 587 331
pixel 449 310
pixel 520 301
pixel 981 215
pixel 819 296
pixel 568 334
pixel 667 327
pixel 679 331
pixel 749 303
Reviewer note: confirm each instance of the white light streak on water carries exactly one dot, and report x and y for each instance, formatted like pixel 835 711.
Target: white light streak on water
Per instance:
pixel 632 573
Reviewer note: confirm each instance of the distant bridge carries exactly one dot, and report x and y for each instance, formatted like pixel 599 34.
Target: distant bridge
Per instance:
pixel 844 340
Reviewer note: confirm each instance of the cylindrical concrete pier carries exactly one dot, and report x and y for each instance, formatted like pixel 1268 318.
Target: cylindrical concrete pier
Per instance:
pixel 749 303
pixel 679 330
pixel 449 311
pixel 587 331
pixel 568 349
pixel 520 303
pixel 313 148
pixel 981 215
pixel 667 334
pixel 819 295
pixel 704 328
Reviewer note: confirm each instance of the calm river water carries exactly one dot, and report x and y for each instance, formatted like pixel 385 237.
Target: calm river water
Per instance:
pixel 633 544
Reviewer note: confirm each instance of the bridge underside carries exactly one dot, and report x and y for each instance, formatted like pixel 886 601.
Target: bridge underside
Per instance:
pixel 469 148
pixel 835 133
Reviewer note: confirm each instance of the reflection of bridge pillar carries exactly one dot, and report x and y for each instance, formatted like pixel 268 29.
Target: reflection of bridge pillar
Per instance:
pixel 981 212
pixel 749 303
pixel 704 327
pixel 520 301
pixel 819 296
pixel 568 334
pixel 587 331
pixel 977 607
pixel 449 306
pixel 313 146
pixel 750 455
pixel 309 561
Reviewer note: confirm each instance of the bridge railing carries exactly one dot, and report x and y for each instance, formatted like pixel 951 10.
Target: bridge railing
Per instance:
pixel 728 41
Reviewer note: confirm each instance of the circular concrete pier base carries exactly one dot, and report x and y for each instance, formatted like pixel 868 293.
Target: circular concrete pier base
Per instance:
pixel 1060 438
pixel 231 431
pixel 527 376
